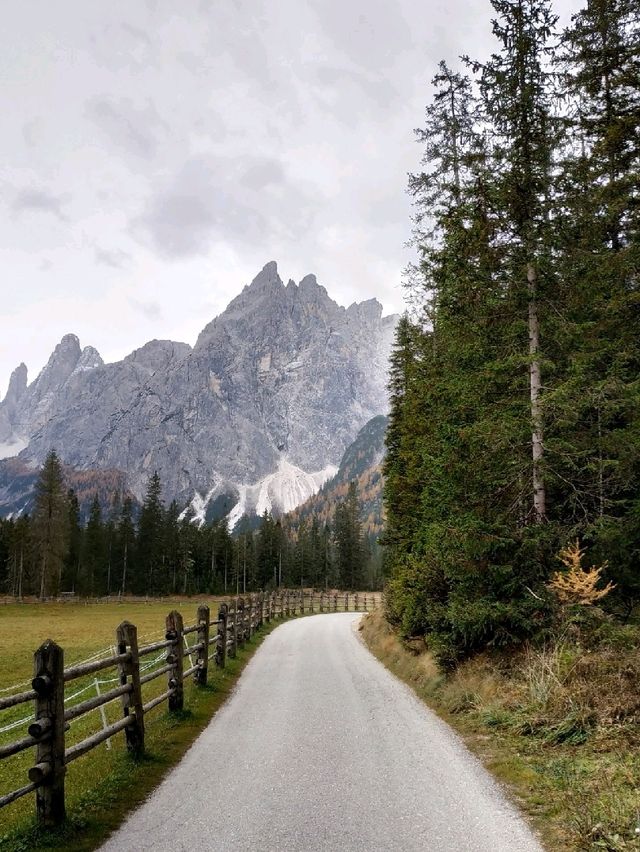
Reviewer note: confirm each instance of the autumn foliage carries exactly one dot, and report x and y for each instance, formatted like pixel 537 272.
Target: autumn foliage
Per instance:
pixel 577 584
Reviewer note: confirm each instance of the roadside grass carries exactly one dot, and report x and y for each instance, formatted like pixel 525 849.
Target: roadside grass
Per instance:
pixel 104 785
pixel 558 724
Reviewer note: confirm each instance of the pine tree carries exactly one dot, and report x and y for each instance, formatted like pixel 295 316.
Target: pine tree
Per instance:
pixel 516 89
pixel 49 525
pixel 6 529
pixel 20 553
pixel 267 551
pixel 149 545
pixel 125 543
pixel 172 557
pixel 94 561
pixel 72 560
pixel 349 542
pixel 187 535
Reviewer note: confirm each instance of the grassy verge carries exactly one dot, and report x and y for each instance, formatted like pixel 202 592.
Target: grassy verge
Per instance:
pixel 559 725
pixel 103 786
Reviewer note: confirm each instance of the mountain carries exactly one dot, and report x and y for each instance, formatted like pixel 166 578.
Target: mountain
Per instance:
pixel 362 464
pixel 256 415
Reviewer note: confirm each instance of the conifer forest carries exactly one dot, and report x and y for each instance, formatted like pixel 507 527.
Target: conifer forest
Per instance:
pixel 154 549
pixel 515 378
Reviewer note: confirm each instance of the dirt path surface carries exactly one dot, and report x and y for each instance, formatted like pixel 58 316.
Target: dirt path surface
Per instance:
pixel 321 748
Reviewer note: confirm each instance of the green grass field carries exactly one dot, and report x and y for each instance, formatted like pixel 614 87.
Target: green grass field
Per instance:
pixel 103 784
pixel 82 630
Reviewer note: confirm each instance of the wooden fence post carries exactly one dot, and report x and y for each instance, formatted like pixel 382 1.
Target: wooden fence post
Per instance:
pixel 356 602
pixel 261 609
pixel 236 626
pixel 346 601
pixel 240 619
pixel 127 640
pixel 335 603
pixel 301 601
pixel 203 621
pixel 176 659
pixel 221 643
pixel 365 602
pixel 48 682
pixel 250 620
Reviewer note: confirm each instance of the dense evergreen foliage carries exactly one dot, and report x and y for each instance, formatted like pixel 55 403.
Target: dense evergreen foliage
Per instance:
pixel 159 550
pixel 515 384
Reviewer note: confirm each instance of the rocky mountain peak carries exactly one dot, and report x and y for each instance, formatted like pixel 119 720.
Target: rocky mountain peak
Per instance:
pixel 257 413
pixel 369 311
pixel 266 281
pixel 70 340
pixel 309 288
pixel 60 365
pixel 157 354
pixel 89 359
pixel 17 385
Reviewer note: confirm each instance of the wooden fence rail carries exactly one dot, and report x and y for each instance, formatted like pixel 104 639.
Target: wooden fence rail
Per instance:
pixel 237 621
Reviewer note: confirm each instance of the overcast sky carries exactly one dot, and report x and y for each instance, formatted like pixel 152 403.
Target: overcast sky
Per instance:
pixel 156 154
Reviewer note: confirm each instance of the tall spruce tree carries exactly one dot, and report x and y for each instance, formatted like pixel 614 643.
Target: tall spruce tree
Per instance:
pixel 125 544
pixel 349 542
pixel 517 96
pixel 147 575
pixel 94 553
pixel 73 556
pixel 49 525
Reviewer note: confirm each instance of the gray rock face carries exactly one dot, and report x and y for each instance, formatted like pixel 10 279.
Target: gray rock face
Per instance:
pixel 11 402
pixel 283 378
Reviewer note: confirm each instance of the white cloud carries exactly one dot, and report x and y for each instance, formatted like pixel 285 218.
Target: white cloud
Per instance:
pixel 158 154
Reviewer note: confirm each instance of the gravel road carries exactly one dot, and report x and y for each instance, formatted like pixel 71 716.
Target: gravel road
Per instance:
pixel 320 748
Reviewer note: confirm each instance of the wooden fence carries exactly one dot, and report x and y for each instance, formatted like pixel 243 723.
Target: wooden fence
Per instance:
pixel 215 640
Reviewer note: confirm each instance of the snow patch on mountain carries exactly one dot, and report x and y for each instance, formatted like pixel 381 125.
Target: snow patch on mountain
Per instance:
pixel 289 486
pixel 278 492
pixel 281 491
pixel 240 508
pixel 12 447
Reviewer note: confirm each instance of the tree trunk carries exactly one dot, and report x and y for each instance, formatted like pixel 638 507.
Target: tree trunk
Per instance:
pixel 124 568
pixel 539 493
pixel 43 571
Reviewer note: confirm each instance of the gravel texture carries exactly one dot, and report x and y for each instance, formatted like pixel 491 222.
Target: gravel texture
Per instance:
pixel 321 748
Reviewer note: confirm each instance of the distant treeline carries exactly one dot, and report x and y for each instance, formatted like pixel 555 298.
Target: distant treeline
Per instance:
pixel 515 382
pixel 154 550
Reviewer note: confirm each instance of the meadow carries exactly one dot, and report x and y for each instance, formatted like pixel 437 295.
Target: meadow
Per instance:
pixel 105 783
